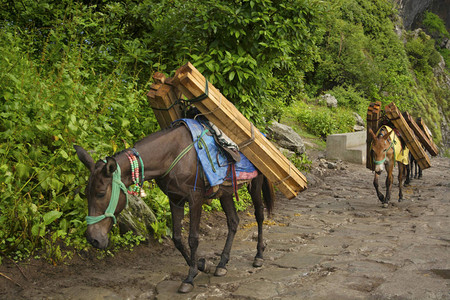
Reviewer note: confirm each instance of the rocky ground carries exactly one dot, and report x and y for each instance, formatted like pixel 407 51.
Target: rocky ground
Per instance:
pixel 333 241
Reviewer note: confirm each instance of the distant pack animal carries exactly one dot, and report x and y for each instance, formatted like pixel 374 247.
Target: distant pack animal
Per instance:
pixel 386 149
pixel 178 176
pixel 413 170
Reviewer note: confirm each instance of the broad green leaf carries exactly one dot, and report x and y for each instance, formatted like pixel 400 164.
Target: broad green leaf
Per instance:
pixel 51 216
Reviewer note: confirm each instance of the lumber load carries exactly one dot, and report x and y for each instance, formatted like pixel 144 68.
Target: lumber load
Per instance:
pixel 427 133
pixel 408 135
pixel 423 138
pixel 252 143
pixel 163 98
pixel 372 122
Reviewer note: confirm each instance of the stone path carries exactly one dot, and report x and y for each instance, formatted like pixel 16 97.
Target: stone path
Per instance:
pixel 334 241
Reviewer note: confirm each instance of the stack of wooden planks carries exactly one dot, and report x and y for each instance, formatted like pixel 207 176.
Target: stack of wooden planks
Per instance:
pixel 252 143
pixel 424 135
pixel 164 98
pixel 373 120
pixel 408 135
pixel 421 135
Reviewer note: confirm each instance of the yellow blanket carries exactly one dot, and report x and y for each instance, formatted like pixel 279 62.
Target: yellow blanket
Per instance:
pixel 400 154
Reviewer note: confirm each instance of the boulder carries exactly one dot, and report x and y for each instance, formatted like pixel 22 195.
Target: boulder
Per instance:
pixel 330 100
pixel 358 128
pixel 286 137
pixel 359 121
pixel 137 217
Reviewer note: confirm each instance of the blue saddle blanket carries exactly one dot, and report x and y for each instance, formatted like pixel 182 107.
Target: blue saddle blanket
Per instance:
pixel 213 160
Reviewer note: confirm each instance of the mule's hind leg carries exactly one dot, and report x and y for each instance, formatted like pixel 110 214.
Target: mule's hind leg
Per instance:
pixel 255 192
pixel 401 172
pixel 408 174
pixel 232 222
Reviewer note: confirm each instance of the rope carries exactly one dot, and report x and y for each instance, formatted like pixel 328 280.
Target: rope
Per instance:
pixel 285 178
pixel 250 140
pixel 183 153
pixel 201 144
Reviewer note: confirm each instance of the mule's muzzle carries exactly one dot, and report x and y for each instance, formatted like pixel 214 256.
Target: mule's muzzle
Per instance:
pixel 96 239
pixel 99 244
pixel 379 172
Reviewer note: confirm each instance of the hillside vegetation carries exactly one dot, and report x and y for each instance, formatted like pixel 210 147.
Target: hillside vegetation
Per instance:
pixel 78 71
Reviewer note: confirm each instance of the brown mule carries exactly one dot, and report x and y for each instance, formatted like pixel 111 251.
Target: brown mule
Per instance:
pixel 384 157
pixel 109 179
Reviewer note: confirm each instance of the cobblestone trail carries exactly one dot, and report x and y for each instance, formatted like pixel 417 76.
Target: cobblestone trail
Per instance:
pixel 334 241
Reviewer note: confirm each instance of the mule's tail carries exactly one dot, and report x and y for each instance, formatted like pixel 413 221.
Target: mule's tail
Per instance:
pixel 268 195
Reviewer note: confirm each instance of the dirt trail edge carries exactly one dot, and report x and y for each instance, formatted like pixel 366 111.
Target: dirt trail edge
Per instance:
pixel 333 241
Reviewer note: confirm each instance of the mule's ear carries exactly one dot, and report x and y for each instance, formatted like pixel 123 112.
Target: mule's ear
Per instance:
pixel 85 158
pixel 110 167
pixel 388 134
pixel 374 137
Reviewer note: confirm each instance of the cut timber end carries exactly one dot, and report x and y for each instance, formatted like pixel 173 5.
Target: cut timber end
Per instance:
pixel 161 99
pixel 159 77
pixel 413 144
pixel 261 152
pixel 373 120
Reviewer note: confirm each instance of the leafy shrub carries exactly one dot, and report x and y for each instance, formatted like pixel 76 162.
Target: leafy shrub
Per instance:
pixel 322 121
pixel 435 26
pixel 45 109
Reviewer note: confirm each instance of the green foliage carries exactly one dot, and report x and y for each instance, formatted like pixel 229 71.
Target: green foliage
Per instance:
pixel 46 107
pixel 160 205
pixel 75 72
pixel 245 201
pixel 323 121
pixel 301 162
pixel 435 26
pixel 361 50
pixel 422 53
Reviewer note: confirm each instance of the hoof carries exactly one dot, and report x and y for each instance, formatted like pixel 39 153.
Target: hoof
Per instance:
pixel 220 272
pixel 258 262
pixel 185 288
pixel 205 266
pixel 385 205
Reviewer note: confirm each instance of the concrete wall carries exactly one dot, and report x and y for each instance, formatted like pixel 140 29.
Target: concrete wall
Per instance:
pixel 349 147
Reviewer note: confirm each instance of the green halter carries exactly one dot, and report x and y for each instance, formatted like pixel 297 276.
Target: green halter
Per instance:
pixel 117 185
pixel 379 162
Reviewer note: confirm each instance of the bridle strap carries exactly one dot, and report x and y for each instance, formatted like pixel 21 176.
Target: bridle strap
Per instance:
pixel 117 186
pixel 379 162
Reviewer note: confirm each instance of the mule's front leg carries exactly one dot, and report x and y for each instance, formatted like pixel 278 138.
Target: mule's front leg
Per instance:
pixel 177 217
pixel 375 184
pixel 232 222
pixel 389 182
pixel 195 211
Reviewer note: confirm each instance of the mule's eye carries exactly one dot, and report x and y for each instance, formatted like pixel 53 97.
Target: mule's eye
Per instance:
pixel 100 195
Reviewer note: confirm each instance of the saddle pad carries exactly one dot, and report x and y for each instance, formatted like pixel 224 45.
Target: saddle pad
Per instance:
pixel 213 160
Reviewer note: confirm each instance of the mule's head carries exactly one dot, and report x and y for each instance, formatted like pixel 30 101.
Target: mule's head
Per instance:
pixel 380 147
pixel 99 191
